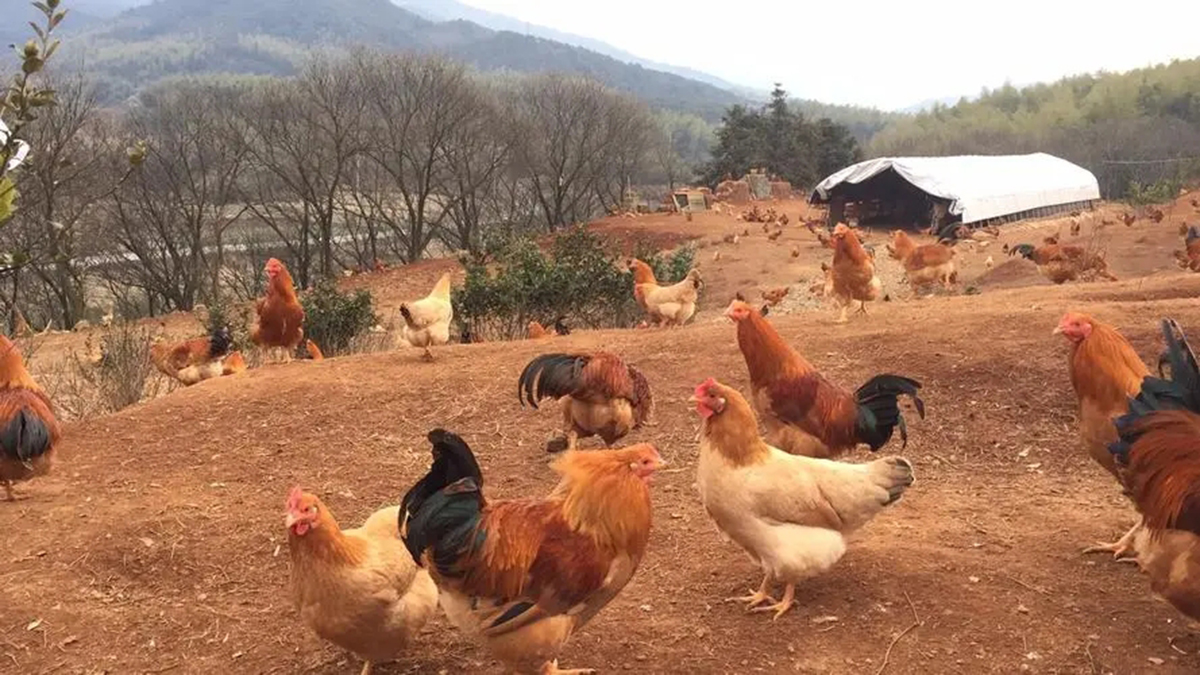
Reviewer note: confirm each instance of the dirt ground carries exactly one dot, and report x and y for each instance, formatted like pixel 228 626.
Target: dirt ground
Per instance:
pixel 158 545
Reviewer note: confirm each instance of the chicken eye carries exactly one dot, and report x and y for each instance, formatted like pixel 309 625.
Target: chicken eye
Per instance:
pixel 312 509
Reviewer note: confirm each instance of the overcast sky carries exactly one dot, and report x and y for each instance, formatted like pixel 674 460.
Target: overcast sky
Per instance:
pixel 884 53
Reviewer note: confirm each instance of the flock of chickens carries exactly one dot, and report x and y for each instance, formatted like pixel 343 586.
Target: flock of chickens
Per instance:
pixel 523 575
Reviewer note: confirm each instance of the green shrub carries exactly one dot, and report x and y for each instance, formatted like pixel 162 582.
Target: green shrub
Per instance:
pixel 670 267
pixel 578 279
pixel 237 317
pixel 334 319
pixel 1158 192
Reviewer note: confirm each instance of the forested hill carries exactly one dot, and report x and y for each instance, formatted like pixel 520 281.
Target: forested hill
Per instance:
pixel 273 37
pixel 1134 130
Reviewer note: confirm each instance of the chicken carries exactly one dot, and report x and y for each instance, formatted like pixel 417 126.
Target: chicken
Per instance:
pixel 1105 372
pixel 280 316
pixel 1189 258
pixel 314 352
pixel 30 435
pixel 599 395
pixel 537 331
pixel 359 588
pixel 524 575
pixel 923 265
pixel 795 251
pixel 806 414
pixel 774 235
pixel 1063 262
pixel 669 305
pixel 427 321
pixel 774 296
pixel 233 364
pixel 1158 455
pixel 791 514
pixel 195 360
pixel 853 272
pixel 1129 219
pixel 561 327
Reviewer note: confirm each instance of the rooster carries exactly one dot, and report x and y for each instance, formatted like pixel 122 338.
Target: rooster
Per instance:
pixel 30 433
pixel 791 514
pixel 854 278
pixel 360 588
pixel 427 321
pixel 1063 262
pixel 1189 258
pixel 807 414
pixel 1158 457
pixel 600 395
pixel 194 360
pixel 280 315
pixel 523 575
pixel 1105 372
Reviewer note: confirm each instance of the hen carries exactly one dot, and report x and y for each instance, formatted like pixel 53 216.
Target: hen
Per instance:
pixel 1063 262
pixel 923 265
pixel 600 395
pixel 280 316
pixel 29 433
pixel 805 413
pixel 1189 258
pixel 791 514
pixel 523 575
pixel 1158 457
pixel 360 588
pixel 853 274
pixel 427 321
pixel 1105 372
pixel 670 305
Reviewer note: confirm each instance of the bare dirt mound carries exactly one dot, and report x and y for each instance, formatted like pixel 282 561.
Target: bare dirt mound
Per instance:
pixel 158 545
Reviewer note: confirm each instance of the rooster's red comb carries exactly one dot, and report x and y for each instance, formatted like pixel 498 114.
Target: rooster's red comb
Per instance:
pixel 293 498
pixel 703 387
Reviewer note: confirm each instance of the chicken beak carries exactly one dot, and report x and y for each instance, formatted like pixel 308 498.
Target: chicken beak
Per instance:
pixel 1057 330
pixel 290 520
pixel 693 399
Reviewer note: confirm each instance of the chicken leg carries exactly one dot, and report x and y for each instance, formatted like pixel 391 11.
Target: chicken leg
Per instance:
pixel 1121 548
pixel 428 356
pixel 551 668
pixel 756 598
pixel 8 491
pixel 781 607
pixel 366 668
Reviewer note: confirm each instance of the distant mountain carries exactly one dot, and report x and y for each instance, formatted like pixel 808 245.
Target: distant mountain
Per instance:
pixel 274 37
pixel 450 10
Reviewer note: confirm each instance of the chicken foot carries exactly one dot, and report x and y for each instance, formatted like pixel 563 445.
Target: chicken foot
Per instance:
pixel 551 668
pixel 9 492
pixel 366 668
pixel 756 598
pixel 428 355
pixel 781 607
pixel 1120 548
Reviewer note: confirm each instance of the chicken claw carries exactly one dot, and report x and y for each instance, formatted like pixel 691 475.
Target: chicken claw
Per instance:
pixel 9 492
pixel 755 598
pixel 1120 548
pixel 781 607
pixel 551 668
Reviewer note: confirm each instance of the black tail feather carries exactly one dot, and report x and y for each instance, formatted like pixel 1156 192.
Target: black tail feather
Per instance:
pixel 549 375
pixel 879 409
pixel 452 462
pixel 25 438
pixel 1177 390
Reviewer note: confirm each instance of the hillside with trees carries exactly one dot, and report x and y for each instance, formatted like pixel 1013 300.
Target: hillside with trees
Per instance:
pixel 1138 131
pixel 781 138
pixel 171 38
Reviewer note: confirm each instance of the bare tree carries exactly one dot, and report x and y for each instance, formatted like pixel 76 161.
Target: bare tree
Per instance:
pixel 477 158
pixel 170 218
pixel 304 136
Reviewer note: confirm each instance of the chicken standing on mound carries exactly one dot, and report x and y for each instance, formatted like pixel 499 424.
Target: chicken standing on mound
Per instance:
pixel 670 305
pixel 1105 373
pixel 427 321
pixel 807 414
pixel 1158 457
pixel 280 315
pixel 523 575
pixel 360 588
pixel 29 432
pixel 791 514
pixel 599 395
pixel 853 272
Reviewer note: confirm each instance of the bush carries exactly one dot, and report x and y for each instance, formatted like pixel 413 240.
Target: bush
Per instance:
pixel 236 317
pixel 336 320
pixel 1158 192
pixel 578 279
pixel 670 267
pixel 108 376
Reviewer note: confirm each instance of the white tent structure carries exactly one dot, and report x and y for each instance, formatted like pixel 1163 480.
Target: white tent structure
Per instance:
pixel 971 188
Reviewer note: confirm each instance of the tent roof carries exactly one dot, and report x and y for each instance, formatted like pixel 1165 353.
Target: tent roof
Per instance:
pixel 979 187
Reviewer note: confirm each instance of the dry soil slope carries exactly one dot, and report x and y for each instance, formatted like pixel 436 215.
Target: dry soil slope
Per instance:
pixel 156 546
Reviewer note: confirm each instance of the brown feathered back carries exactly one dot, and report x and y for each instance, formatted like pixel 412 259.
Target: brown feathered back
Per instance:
pixel 1163 476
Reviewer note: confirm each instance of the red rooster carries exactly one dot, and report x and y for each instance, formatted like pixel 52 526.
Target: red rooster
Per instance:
pixel 29 430
pixel 1158 458
pixel 807 414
